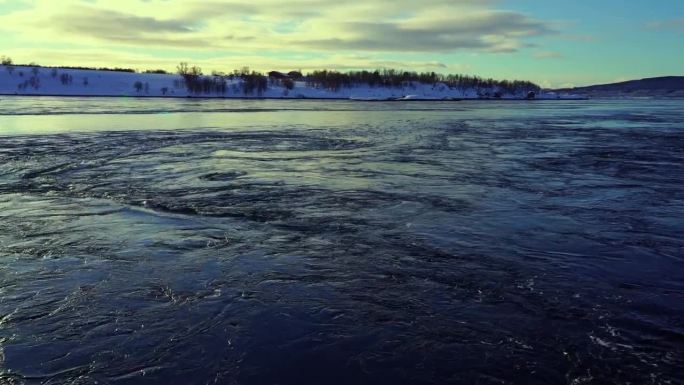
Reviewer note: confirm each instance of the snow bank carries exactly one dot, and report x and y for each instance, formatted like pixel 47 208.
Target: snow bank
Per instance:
pixel 26 80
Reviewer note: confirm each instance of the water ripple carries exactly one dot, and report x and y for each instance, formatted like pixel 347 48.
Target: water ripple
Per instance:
pixel 534 244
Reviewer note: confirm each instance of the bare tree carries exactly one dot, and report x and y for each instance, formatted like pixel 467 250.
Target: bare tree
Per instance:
pixel 288 83
pixel 8 63
pixel 65 79
pixel 183 68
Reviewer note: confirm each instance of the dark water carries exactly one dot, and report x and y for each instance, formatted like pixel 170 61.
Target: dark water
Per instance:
pixel 311 242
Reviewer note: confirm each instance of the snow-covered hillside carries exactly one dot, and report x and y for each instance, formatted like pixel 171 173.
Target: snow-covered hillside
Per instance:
pixel 27 80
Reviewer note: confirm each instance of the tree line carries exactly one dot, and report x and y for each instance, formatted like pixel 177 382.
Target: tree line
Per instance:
pixel 254 82
pixel 334 80
pixel 257 82
pixel 196 83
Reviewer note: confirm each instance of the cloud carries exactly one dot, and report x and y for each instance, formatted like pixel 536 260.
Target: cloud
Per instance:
pixel 548 55
pixel 267 34
pixel 127 29
pixel 580 37
pixel 672 24
pixel 301 25
pixel 492 31
pixel 114 58
pixel 85 19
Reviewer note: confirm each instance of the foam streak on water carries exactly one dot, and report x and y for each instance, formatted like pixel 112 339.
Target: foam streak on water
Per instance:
pixel 312 242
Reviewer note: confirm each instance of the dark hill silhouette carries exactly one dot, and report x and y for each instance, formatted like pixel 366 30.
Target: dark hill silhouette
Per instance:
pixel 666 86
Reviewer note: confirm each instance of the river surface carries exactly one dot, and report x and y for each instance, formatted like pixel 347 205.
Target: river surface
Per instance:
pixel 331 242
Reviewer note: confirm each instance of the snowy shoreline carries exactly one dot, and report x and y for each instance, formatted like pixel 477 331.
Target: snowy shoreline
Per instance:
pixel 562 98
pixel 61 82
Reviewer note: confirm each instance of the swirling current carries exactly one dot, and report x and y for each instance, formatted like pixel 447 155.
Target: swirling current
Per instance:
pixel 332 242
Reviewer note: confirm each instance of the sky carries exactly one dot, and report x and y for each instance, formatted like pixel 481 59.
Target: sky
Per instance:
pixel 555 43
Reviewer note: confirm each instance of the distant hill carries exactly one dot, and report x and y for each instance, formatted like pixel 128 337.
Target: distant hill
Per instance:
pixel 666 86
